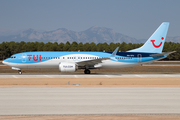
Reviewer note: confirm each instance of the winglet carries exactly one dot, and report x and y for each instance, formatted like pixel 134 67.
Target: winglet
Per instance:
pixel 115 52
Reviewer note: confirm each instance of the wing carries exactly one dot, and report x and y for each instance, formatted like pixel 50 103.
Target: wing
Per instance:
pixel 90 63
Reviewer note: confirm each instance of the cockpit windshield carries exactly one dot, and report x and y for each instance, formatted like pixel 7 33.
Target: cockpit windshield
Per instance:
pixel 12 57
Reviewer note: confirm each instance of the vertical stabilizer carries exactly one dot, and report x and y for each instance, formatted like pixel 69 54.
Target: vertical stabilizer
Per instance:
pixel 156 42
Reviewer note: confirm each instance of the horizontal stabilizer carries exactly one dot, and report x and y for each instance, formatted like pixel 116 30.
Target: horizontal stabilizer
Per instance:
pixel 162 54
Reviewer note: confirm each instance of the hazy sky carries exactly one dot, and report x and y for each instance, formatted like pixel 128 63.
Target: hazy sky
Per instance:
pixel 135 18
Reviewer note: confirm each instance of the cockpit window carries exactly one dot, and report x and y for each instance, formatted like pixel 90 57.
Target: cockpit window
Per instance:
pixel 12 57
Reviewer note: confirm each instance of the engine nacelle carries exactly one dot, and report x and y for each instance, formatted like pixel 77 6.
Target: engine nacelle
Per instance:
pixel 67 67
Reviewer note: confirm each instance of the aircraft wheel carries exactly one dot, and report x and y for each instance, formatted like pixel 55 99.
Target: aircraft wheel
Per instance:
pixel 20 73
pixel 87 71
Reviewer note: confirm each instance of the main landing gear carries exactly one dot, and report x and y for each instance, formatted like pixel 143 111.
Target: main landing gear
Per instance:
pixel 19 72
pixel 87 71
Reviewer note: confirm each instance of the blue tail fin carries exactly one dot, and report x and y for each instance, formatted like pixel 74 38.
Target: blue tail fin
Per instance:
pixel 156 42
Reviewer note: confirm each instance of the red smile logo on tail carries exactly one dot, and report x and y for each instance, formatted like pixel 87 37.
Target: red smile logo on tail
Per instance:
pixel 157 46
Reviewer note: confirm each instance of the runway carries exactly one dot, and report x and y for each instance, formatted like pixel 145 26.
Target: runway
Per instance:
pixel 87 76
pixel 88 101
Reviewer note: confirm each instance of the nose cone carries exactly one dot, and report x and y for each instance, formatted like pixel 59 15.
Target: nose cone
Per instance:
pixel 4 62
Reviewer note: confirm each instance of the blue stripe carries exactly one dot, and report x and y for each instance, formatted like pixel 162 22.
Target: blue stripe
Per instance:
pixel 127 57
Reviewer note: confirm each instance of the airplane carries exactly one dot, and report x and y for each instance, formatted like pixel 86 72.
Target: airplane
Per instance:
pixel 71 61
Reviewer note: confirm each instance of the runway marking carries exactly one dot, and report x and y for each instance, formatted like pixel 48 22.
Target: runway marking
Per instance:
pixel 107 76
pixel 90 76
pixel 139 76
pixel 167 76
pixel 47 76
pixel 14 76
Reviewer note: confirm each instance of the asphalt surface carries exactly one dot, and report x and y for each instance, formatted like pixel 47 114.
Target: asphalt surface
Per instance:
pixel 81 75
pixel 74 101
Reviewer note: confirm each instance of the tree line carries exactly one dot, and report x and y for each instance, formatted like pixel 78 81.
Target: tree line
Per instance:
pixel 9 48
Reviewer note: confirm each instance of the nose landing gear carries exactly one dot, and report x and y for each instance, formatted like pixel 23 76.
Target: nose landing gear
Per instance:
pixel 19 72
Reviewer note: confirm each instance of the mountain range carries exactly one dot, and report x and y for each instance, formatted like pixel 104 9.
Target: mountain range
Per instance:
pixel 94 34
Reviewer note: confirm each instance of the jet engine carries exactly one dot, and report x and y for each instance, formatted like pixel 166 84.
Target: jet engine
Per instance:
pixel 67 67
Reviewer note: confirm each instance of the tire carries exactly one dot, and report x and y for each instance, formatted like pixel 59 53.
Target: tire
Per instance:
pixel 87 71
